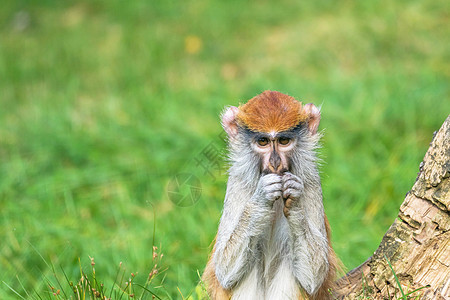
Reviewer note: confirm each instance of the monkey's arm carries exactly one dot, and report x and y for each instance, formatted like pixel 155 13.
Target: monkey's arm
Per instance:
pixel 244 220
pixel 306 219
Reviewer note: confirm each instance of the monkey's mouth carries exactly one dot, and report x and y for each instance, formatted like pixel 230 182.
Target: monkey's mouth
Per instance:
pixel 270 170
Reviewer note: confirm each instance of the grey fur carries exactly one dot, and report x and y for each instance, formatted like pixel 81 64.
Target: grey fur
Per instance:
pixel 256 240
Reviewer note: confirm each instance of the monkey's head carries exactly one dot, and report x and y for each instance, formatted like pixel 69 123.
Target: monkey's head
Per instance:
pixel 273 127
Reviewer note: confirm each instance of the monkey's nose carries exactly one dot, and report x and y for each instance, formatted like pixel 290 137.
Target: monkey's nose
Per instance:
pixel 275 162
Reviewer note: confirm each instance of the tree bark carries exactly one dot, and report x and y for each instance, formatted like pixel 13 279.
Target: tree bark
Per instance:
pixel 418 243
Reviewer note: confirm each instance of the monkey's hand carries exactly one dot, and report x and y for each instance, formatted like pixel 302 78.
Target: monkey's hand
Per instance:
pixel 292 187
pixel 268 189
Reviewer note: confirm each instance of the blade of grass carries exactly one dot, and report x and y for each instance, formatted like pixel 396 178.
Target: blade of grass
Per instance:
pixel 148 290
pixel 65 275
pixel 23 288
pixel 179 291
pixel 36 293
pixel 147 282
pixel 364 285
pixel 202 284
pixel 45 262
pixel 154 224
pixel 418 289
pixel 389 293
pixel 57 281
pixel 115 280
pixel 123 290
pixel 14 291
pixel 38 253
pixel 395 276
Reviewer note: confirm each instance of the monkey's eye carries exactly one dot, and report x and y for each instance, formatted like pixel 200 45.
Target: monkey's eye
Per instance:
pixel 284 140
pixel 263 141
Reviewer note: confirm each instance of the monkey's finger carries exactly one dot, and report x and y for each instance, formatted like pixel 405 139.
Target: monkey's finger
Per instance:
pixel 288 183
pixel 287 176
pixel 273 188
pixel 274 185
pixel 286 212
pixel 274 195
pixel 272 178
pixel 286 193
pixel 292 182
pixel 293 189
pixel 288 203
pixel 291 193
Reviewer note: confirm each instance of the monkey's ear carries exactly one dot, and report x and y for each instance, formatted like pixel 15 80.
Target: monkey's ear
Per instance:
pixel 313 117
pixel 229 121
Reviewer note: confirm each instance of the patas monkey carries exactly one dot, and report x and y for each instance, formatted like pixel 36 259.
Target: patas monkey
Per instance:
pixel 273 238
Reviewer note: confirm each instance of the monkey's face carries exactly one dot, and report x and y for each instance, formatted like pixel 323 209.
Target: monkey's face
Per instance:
pixel 274 150
pixel 272 126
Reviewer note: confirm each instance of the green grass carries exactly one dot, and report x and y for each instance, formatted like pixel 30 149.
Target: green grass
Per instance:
pixel 103 102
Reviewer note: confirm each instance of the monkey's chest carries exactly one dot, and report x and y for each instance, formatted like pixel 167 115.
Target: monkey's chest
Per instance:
pixel 276 245
pixel 272 277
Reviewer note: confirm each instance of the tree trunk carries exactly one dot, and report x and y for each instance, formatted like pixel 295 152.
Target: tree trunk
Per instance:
pixel 418 243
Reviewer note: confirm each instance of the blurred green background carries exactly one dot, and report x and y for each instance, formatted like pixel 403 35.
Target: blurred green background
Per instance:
pixel 103 102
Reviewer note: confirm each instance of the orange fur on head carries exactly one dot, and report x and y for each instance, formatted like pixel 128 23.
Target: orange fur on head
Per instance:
pixel 271 111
